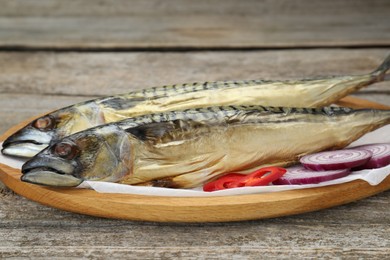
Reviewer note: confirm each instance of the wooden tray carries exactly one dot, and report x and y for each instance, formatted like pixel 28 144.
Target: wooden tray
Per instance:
pixel 194 209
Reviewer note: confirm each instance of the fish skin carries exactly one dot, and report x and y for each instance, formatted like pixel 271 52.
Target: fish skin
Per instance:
pixel 290 93
pixel 184 149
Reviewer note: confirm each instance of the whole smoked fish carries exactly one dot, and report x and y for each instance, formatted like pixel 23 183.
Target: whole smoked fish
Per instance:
pixel 291 93
pixel 184 149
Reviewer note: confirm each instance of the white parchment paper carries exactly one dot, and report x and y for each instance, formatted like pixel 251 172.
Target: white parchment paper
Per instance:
pixel 373 177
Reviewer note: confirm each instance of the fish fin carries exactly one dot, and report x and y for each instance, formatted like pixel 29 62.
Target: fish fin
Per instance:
pixel 382 69
pixel 164 131
pixel 121 103
pixel 152 131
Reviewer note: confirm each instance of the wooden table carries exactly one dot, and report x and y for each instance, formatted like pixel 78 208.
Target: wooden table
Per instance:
pixel 55 53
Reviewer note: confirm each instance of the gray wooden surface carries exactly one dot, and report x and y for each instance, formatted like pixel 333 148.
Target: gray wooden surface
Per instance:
pixel 32 82
pixel 176 24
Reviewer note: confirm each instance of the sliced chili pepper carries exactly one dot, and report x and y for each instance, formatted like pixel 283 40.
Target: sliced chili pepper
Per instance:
pixel 261 177
pixel 224 182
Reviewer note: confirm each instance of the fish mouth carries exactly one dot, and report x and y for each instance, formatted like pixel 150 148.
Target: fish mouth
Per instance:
pixel 23 149
pixel 48 176
pixel 50 171
pixel 26 143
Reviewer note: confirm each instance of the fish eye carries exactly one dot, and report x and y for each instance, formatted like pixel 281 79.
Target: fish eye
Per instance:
pixel 44 123
pixel 66 150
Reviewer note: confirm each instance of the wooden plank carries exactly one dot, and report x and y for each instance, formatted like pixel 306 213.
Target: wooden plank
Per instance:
pixel 356 230
pixel 248 240
pixel 172 24
pixel 96 74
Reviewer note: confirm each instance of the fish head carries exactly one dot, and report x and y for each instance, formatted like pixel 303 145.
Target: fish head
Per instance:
pixel 47 129
pixel 96 154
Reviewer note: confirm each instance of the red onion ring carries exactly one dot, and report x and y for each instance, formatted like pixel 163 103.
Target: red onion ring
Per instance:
pixel 301 175
pixel 336 160
pixel 380 155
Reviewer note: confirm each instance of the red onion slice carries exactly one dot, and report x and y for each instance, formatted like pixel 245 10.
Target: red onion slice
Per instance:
pixel 380 155
pixel 301 175
pixel 336 160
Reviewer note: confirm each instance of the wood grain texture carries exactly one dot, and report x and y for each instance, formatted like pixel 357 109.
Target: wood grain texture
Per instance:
pixel 356 230
pixel 174 24
pixel 102 74
pixel 35 82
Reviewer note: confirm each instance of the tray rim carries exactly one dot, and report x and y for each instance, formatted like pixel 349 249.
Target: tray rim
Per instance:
pixel 194 209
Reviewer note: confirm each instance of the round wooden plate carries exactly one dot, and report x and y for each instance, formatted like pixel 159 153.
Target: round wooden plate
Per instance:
pixel 194 209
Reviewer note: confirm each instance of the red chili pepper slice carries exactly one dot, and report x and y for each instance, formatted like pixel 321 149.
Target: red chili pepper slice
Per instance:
pixel 224 182
pixel 261 177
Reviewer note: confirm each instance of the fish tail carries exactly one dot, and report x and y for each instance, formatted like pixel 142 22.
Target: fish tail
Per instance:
pixel 382 117
pixel 381 71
